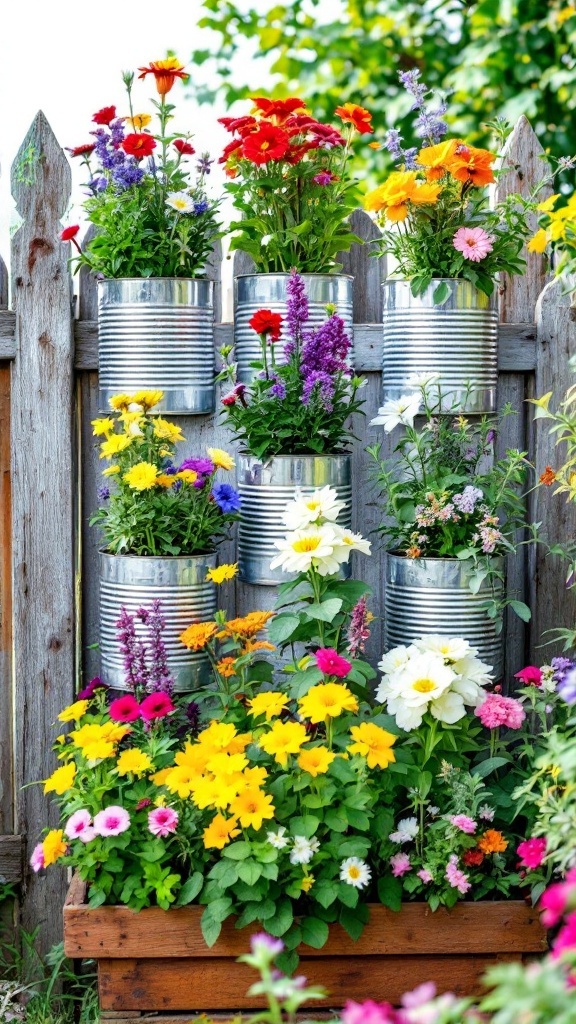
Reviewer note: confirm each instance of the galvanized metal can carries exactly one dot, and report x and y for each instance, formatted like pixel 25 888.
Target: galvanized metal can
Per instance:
pixel 457 340
pixel 268 291
pixel 157 332
pixel 134 581
pixel 432 595
pixel 265 489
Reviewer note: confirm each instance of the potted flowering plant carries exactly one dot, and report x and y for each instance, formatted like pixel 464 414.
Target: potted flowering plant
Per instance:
pixel 448 246
pixel 291 423
pixel 161 521
pixel 155 231
pixel 289 180
pixel 450 515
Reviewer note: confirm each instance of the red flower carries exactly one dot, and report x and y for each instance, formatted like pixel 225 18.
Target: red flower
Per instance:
pixel 105 115
pixel 183 147
pixel 242 125
pixel 331 664
pixel 266 322
pixel 265 144
pixel 237 393
pixel 229 149
pixel 156 705
pixel 357 116
pixel 145 802
pixel 125 709
pixel 473 858
pixel 530 676
pixel 84 150
pixel 69 233
pixel 165 72
pixel 548 476
pixel 139 145
pixel 279 109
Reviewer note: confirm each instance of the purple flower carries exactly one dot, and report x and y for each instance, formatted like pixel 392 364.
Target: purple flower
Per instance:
pixel 392 141
pixel 296 312
pixel 466 501
pixel 133 656
pixel 204 164
pixel 358 632
pixel 560 666
pixel 202 466
pixel 324 383
pixel 490 436
pixel 117 132
pixel 326 348
pixel 278 389
pixel 263 943
pixel 126 175
pixel 88 692
pixel 98 184
pixel 417 89
pixel 201 206
pixel 227 499
pixel 567 688
pixel 193 716
pixel 103 493
pixel 323 178
pixel 430 126
pixel 410 158
pixel 159 676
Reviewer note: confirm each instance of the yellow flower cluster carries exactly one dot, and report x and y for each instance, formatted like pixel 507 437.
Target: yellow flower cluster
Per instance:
pixel 98 741
pixel 561 224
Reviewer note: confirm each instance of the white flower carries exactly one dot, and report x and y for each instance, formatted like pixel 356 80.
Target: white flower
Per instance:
pixel 278 839
pixel 398 412
pixel 346 541
pixel 323 503
pixel 486 813
pixel 408 691
pixel 395 658
pixel 180 201
pixel 302 549
pixel 355 872
pixel 406 831
pixel 451 648
pixel 432 810
pixel 303 850
pixel 448 708
pixel 422 380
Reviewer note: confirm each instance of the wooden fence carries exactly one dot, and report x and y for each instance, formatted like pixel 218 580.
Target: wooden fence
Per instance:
pixel 49 475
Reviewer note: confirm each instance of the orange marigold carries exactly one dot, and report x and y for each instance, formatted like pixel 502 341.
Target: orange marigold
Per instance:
pixel 548 476
pixel 492 842
pixel 257 645
pixel 358 117
pixel 196 636
pixel 472 165
pixel 247 626
pixel 165 73
pixel 226 667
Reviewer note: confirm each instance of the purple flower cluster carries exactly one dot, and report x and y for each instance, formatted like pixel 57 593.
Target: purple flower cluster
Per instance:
pixel 103 493
pixel 145 662
pixel 278 389
pixel 296 312
pixel 160 678
pixel 358 631
pixel 429 126
pixel 392 142
pixel 564 675
pixel 321 383
pixel 466 501
pixel 124 171
pixel 326 348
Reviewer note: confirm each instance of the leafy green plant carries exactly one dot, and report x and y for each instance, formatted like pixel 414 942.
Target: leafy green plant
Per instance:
pixel 44 990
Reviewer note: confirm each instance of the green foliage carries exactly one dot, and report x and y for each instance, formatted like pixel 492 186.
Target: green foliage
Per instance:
pixel 538 994
pixel 44 991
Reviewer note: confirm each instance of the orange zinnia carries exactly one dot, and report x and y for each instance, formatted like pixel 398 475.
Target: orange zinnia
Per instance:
pixel 165 72
pixel 357 116
pixel 548 476
pixel 425 193
pixel 472 165
pixel 492 842
pixel 226 667
pixel 247 626
pixel 436 159
pixel 198 635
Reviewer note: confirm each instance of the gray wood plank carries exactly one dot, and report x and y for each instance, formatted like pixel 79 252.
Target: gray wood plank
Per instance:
pixel 11 859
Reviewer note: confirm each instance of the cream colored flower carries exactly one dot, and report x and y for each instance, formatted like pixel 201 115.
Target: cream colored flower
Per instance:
pixel 303 549
pixel 398 412
pixel 323 503
pixel 346 542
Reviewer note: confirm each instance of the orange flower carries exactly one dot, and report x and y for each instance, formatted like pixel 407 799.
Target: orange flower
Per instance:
pixel 165 72
pixel 548 476
pixel 357 116
pixel 437 158
pixel 247 626
pixel 196 636
pixel 472 165
pixel 492 842
pixel 413 552
pixel 257 645
pixel 278 110
pixel 225 667
pixel 426 193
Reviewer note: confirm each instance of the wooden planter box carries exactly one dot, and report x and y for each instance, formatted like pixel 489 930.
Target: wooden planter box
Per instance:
pixel 157 961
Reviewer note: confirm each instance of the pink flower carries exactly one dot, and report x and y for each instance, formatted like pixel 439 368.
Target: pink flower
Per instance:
pixel 531 675
pixel 557 899
pixel 331 664
pixel 162 821
pixel 464 823
pixel 88 834
pixel 456 877
pixel 156 705
pixel 425 875
pixel 565 941
pixel 111 821
pixel 531 852
pixel 473 243
pixel 37 858
pixel 498 710
pixel 368 1012
pixel 77 824
pixel 125 709
pixel 419 996
pixel 400 864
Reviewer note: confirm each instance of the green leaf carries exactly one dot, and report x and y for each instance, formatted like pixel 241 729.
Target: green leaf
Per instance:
pixel 281 628
pixel 353 920
pixel 390 892
pixel 441 293
pixel 190 889
pixel 325 611
pixel 305 826
pixel 522 610
pixel 314 932
pixel 237 851
pixel 489 765
pixel 210 928
pixel 249 871
pixel 282 920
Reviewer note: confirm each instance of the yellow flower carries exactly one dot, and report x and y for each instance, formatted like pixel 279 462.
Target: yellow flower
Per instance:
pixel 111 471
pixel 61 780
pixel 222 736
pixel 224 763
pixel 74 712
pixel 120 401
pixel 253 777
pixel 565 13
pixel 548 204
pixel 327 700
pixel 542 406
pixel 148 399
pixel 139 121
pixel 316 760
pixel 538 242
pixel 115 444
pixel 142 476
pixel 374 743
pixel 159 778
pixel 188 476
pixel 114 732
pixel 307 883
pixel 53 846
pixel 98 741
pixel 284 738
pixel 196 636
pixel 168 431
pixel 223 572
pixel 220 458
pixel 135 761
pixel 98 750
pixel 270 703
pixel 103 427
pixel 219 832
pixel 180 780
pixel 425 194
pixel 215 793
pixel 252 807
pixel 436 158
pixel 393 195
pixel 163 480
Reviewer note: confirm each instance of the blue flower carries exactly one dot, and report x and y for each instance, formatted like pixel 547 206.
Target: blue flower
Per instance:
pixel 200 207
pixel 227 499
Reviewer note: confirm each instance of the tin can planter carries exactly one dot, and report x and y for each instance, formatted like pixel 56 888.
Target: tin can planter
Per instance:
pixel 265 489
pixel 134 581
pixel 432 595
pixel 457 340
pixel 157 333
pixel 268 291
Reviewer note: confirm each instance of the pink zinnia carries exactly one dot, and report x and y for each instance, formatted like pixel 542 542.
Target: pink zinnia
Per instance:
pixel 125 709
pixel 473 243
pixel 77 824
pixel 156 706
pixel 531 675
pixel 111 821
pixel 531 852
pixel 498 710
pixel 331 664
pixel 37 858
pixel 162 821
pixel 456 877
pixel 368 1012
pixel 400 864
pixel 425 875
pixel 464 823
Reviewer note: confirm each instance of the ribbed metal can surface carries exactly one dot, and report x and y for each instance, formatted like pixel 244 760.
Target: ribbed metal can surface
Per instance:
pixel 132 582
pixel 432 595
pixel 457 340
pixel 157 333
pixel 268 291
pixel 265 489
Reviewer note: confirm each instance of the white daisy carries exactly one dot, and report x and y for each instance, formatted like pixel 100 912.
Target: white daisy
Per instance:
pixel 323 503
pixel 302 549
pixel 395 658
pixel 180 201
pixel 451 648
pixel 398 412
pixel 303 850
pixel 355 872
pixel 278 839
pixel 346 541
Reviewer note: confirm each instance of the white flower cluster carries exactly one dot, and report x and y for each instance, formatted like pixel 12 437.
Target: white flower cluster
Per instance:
pixel 315 539
pixel 353 870
pixel 439 674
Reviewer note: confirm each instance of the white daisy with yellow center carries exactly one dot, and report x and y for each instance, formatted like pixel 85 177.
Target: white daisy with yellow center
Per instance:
pixel 180 201
pixel 356 872
pixel 302 549
pixel 322 504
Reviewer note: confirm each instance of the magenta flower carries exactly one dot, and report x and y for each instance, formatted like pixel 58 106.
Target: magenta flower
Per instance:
pixel 565 941
pixel 425 875
pixel 400 864
pixel 112 821
pixel 498 710
pixel 464 823
pixel 419 996
pixel 331 664
pixel 37 858
pixel 156 705
pixel 368 1012
pixel 473 243
pixel 556 899
pixel 162 821
pixel 531 675
pixel 125 709
pixel 264 943
pixel 456 877
pixel 77 824
pixel 532 852
pixel 324 178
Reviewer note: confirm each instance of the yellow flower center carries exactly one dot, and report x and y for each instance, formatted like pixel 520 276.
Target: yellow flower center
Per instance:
pixel 353 871
pixel 424 685
pixel 306 544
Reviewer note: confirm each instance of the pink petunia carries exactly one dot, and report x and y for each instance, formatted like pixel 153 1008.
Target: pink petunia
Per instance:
pixel 532 852
pixel 565 941
pixel 125 709
pixel 77 824
pixel 473 243
pixel 464 823
pixel 37 858
pixel 425 875
pixel 400 864
pixel 162 821
pixel 557 899
pixel 368 1012
pixel 531 675
pixel 112 821
pixel 331 664
pixel 456 877
pixel 498 710
pixel 156 705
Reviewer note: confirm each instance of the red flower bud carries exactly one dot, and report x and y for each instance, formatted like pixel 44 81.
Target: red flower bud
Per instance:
pixel 183 147
pixel 105 115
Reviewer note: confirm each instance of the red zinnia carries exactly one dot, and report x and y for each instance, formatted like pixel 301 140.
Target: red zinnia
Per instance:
pixel 165 73
pixel 358 117
pixel 139 145
pixel 266 322
pixel 268 143
pixel 331 664
pixel 229 149
pixel 156 705
pixel 242 125
pixel 125 709
pixel 280 109
pixel 473 858
pixel 183 147
pixel 105 115
pixel 69 233
pixel 83 150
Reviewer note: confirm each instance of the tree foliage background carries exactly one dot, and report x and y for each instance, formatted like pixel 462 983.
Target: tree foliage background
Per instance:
pixel 495 57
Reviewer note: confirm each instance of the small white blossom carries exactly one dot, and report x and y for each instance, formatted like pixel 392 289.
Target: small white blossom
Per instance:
pixel 355 872
pixel 303 850
pixel 407 831
pixel 180 201
pixel 279 840
pixel 398 412
pixel 486 813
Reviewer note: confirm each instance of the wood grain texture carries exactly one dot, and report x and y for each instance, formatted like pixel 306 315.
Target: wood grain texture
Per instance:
pixel 10 859
pixel 6 717
pixel 42 489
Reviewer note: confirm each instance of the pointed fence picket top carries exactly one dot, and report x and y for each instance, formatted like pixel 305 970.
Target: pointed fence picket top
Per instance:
pixel 42 495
